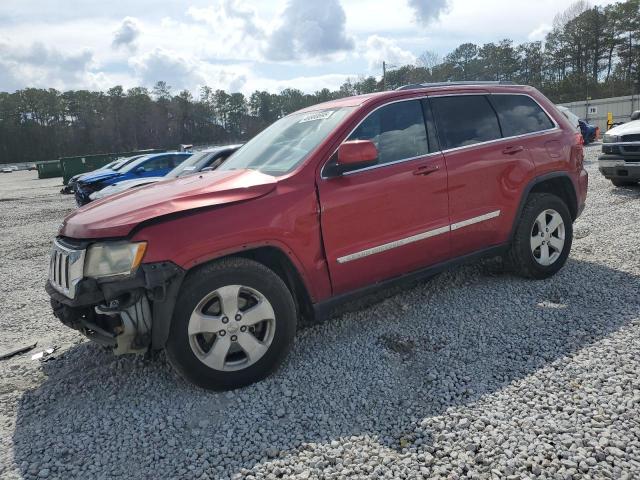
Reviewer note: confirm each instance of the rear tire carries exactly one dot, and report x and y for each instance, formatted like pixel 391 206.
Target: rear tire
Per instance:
pixel 234 323
pixel 622 183
pixel 543 237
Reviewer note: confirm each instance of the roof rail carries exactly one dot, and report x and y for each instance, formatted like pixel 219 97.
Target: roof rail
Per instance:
pixel 414 86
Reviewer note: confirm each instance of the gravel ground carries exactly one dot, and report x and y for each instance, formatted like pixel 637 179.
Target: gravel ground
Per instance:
pixel 475 374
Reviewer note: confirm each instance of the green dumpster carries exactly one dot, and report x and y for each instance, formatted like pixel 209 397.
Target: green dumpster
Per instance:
pixel 49 169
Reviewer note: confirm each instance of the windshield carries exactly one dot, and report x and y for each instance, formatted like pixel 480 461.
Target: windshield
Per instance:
pixel 195 163
pixel 130 165
pixel 111 165
pixel 287 143
pixel 123 162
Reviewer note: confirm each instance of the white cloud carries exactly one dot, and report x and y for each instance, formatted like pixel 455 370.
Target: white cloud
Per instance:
pixel 230 14
pixel 244 45
pixel 540 32
pixel 36 65
pixel 127 34
pixel 227 30
pixel 309 29
pixel 185 72
pixel 428 10
pixel 378 49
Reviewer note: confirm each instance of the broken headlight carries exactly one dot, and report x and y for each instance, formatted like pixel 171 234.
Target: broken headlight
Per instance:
pixel 113 259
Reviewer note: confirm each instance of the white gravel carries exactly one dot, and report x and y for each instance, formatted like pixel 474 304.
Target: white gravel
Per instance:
pixel 475 374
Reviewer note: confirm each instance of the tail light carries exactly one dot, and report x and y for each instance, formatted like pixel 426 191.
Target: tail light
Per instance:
pixel 577 151
pixel 597 133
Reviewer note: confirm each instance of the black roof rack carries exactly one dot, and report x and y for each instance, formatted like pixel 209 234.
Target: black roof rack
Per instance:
pixel 414 86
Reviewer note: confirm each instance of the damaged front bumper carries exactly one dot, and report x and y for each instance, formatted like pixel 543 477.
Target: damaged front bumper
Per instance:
pixel 129 314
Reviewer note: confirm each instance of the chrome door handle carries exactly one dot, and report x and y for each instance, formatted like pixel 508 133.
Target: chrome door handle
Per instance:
pixel 513 150
pixel 426 169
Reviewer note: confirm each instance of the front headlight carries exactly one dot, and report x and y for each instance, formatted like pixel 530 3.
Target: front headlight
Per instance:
pixel 113 258
pixel 610 138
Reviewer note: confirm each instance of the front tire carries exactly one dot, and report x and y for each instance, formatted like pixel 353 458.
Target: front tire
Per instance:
pixel 234 323
pixel 543 237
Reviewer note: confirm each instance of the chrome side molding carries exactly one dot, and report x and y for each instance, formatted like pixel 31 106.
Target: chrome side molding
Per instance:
pixel 418 237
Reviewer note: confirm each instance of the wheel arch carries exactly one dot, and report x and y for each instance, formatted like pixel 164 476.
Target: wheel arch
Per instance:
pixel 556 183
pixel 277 260
pixel 271 257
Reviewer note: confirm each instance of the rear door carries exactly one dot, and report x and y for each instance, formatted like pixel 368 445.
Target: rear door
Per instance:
pixel 486 170
pixel 391 218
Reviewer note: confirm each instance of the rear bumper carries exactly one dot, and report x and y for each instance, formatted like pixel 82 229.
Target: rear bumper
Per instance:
pixel 130 315
pixel 623 167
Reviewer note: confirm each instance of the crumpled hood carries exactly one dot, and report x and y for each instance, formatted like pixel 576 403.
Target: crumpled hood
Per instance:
pixel 626 128
pixel 117 215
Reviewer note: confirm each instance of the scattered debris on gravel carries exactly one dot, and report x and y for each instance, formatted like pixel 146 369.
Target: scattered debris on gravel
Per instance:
pixel 474 374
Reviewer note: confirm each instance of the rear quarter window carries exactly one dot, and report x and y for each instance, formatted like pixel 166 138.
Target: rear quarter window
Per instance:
pixel 465 120
pixel 520 114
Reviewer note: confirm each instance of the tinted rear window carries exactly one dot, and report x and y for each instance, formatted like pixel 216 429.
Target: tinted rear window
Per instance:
pixel 465 120
pixel 520 114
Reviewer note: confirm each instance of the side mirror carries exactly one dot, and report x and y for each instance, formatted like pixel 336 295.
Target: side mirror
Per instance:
pixel 139 170
pixel 356 153
pixel 353 154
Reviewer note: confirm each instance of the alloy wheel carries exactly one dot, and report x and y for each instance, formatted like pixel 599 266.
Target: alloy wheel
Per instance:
pixel 547 237
pixel 231 328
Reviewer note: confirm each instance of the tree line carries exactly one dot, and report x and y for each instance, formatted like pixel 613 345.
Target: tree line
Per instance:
pixel 589 52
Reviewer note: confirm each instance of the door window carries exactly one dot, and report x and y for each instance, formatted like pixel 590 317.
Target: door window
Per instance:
pixel 158 163
pixel 465 120
pixel 520 114
pixel 397 130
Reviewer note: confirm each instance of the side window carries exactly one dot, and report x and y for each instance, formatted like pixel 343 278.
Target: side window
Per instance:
pixel 465 120
pixel 397 130
pixel 158 163
pixel 520 114
pixel 177 160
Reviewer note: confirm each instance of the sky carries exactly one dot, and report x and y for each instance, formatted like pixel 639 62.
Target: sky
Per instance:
pixel 242 46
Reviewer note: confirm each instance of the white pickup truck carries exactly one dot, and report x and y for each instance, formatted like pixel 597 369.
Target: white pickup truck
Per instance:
pixel 620 159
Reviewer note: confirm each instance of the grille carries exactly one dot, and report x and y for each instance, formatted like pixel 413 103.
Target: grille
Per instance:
pixel 630 149
pixel 631 138
pixel 66 269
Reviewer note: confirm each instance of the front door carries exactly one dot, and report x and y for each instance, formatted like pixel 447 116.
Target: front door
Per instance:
pixel 390 218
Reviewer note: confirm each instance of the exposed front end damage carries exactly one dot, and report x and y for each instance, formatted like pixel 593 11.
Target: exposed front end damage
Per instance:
pixel 129 314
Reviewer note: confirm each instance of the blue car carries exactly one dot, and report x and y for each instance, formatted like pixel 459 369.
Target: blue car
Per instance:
pixel 155 165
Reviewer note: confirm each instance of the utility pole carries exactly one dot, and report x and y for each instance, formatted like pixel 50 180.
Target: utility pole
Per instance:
pixel 384 75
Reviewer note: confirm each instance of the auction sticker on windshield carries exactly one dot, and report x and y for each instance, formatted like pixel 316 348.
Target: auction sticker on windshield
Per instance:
pixel 317 116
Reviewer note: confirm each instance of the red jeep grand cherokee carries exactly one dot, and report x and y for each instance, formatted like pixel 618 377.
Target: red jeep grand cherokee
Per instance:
pixel 328 202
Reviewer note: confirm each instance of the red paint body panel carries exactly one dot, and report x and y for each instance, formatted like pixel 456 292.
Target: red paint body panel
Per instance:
pixel 316 221
pixel 485 180
pixel 379 206
pixel 116 216
pixel 286 218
